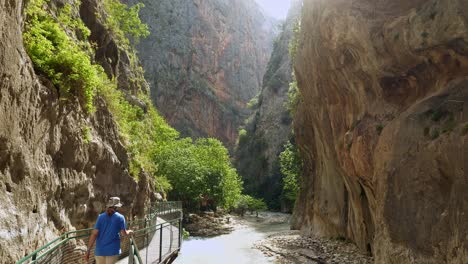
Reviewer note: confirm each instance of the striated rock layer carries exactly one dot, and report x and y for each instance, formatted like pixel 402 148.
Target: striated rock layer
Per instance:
pixel 51 180
pixel 383 126
pixel 205 60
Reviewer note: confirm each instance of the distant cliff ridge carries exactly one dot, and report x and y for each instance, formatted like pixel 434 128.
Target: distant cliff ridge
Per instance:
pixel 205 59
pixel 268 128
pixel 383 127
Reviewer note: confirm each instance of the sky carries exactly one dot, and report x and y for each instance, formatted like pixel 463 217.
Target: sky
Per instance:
pixel 275 8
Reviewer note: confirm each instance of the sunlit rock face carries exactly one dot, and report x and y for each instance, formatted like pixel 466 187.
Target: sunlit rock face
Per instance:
pixel 51 179
pixel 383 127
pixel 269 126
pixel 205 59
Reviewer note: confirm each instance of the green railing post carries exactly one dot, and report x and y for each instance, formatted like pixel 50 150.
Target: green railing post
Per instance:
pixel 131 257
pixel 160 243
pixel 147 224
pixel 180 233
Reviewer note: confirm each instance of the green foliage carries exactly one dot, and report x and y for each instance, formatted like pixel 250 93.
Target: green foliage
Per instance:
pixel 249 203
pixel 294 43
pixel 125 22
pixel 464 129
pixel 436 115
pixel 291 168
pixel 253 103
pixel 294 96
pixel 242 136
pixel 62 57
pixel 144 134
pixel 185 234
pixel 435 134
pixel 242 132
pixel 449 124
pixel 87 137
pixel 379 128
pixel 199 171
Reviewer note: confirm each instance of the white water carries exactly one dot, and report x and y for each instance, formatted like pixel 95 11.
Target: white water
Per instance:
pixel 233 248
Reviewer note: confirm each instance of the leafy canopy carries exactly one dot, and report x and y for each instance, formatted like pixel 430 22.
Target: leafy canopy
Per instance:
pixel 200 170
pixel 125 22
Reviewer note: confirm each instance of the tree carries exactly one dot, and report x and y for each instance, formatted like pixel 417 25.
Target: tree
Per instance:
pixel 200 171
pixel 249 203
pixel 291 168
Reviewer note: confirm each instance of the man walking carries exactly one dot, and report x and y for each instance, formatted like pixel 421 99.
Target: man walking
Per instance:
pixel 109 227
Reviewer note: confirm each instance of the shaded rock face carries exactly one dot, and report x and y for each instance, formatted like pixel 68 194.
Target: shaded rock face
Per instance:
pixel 383 127
pixel 269 126
pixel 205 60
pixel 51 180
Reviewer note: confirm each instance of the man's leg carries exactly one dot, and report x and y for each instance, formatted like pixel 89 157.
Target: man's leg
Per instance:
pixel 100 260
pixel 112 259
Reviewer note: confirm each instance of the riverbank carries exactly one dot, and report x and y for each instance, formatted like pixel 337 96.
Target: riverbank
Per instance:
pixel 236 247
pixel 269 235
pixel 210 224
pixel 291 247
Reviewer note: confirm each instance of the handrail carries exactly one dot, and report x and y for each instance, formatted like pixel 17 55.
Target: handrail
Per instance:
pixel 134 252
pixel 63 239
pixel 163 208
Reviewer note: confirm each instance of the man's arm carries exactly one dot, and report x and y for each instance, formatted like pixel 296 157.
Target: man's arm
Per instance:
pixel 123 229
pixel 92 239
pixel 125 232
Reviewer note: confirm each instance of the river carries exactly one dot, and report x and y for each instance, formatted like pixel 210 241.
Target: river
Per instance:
pixel 233 248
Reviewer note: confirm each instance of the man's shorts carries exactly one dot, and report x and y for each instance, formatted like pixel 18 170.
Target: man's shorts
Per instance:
pixel 106 259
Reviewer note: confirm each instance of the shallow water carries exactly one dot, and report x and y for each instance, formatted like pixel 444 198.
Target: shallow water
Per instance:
pixel 235 248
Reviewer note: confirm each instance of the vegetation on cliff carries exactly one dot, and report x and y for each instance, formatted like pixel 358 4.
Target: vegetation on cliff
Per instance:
pixel 291 168
pixel 125 22
pixel 58 46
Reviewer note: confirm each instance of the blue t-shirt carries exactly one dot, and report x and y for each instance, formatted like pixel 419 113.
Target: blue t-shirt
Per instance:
pixel 108 239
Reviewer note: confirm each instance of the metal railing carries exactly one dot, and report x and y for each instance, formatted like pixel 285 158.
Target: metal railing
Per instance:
pixel 162 227
pixel 134 255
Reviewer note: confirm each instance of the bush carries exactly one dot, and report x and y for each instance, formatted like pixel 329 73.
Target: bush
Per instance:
pixel 125 22
pixel 65 60
pixel 291 168
pixel 294 43
pixel 87 137
pixel 253 103
pixel 294 96
pixel 249 203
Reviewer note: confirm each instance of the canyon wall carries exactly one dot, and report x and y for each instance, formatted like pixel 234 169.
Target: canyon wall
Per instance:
pixel 52 179
pixel 268 128
pixel 383 126
pixel 204 61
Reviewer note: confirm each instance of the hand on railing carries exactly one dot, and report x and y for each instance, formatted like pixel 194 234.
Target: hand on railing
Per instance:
pixel 86 256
